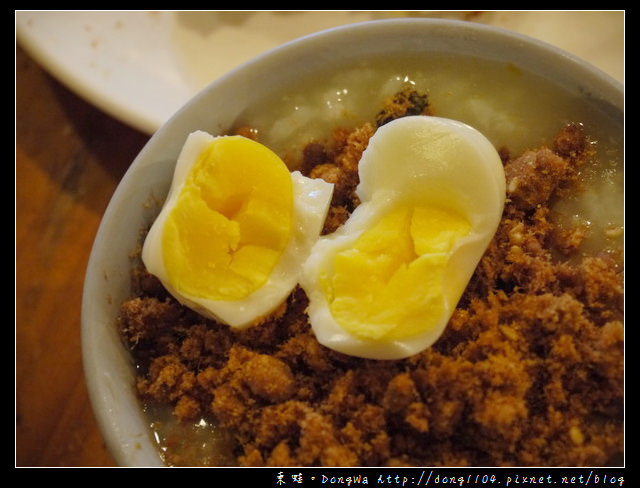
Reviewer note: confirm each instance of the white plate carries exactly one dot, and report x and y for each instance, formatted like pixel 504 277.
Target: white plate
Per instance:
pixel 141 67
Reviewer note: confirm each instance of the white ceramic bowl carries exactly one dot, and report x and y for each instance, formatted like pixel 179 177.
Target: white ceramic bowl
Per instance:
pixel 108 367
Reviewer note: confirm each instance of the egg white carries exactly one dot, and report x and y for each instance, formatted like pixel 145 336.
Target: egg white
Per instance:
pixel 413 160
pixel 311 200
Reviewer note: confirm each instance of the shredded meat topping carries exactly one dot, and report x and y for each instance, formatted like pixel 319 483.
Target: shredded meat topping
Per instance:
pixel 528 372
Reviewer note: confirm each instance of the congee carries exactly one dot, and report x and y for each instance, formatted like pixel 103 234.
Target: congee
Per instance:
pixel 529 370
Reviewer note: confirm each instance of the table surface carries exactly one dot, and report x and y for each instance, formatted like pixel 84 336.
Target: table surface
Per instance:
pixel 69 158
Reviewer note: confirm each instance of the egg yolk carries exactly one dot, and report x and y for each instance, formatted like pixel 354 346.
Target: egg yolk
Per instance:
pixel 401 259
pixel 231 221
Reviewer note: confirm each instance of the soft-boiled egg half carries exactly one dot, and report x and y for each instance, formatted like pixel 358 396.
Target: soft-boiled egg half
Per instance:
pixel 385 284
pixel 235 228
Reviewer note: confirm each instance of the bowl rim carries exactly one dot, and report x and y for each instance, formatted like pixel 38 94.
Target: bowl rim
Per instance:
pixel 130 446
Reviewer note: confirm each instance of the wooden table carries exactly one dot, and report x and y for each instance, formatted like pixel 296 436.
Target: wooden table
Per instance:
pixel 69 159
